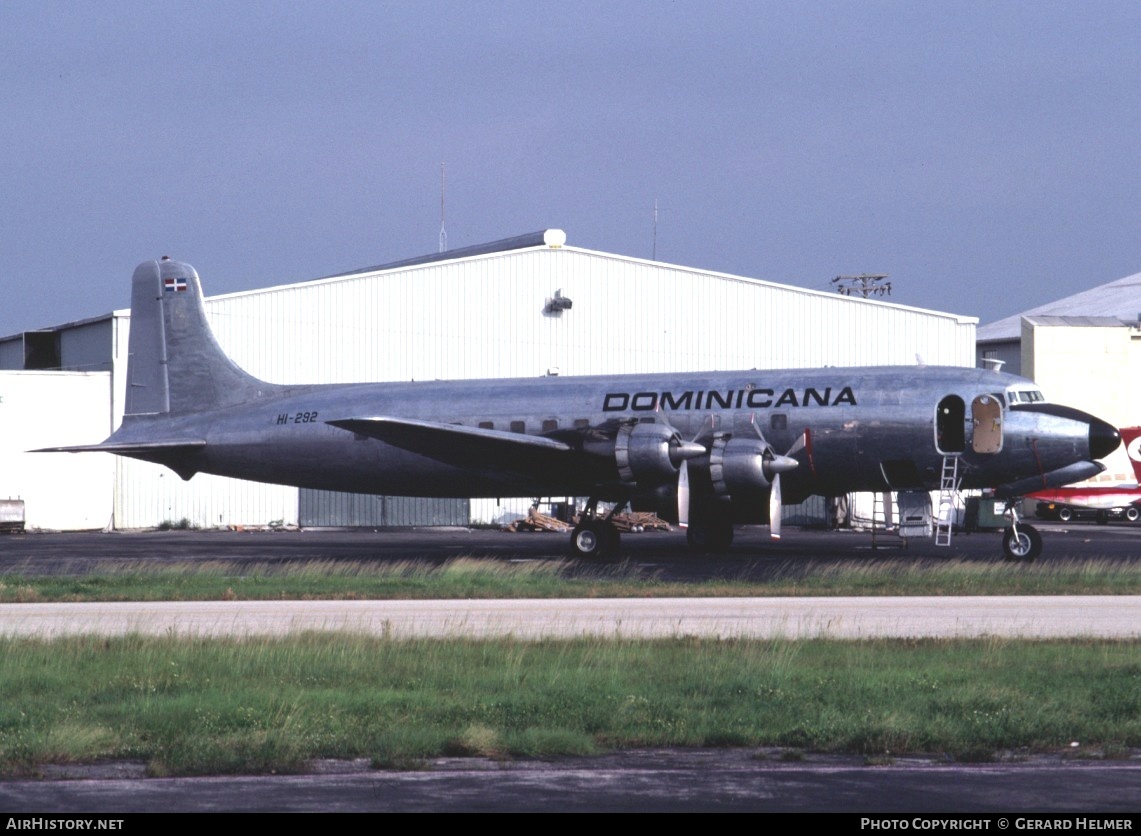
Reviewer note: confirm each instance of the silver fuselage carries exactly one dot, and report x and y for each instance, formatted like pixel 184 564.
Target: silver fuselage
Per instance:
pixel 858 418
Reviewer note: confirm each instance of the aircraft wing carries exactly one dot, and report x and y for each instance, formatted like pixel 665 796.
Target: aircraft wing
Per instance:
pixel 462 446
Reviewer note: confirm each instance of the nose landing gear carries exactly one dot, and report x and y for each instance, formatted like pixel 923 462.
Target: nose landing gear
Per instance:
pixel 1020 541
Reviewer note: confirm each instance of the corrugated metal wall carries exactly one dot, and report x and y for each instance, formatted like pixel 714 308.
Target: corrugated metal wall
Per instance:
pixel 12 353
pixel 87 347
pixel 330 508
pixel 483 317
pixel 148 495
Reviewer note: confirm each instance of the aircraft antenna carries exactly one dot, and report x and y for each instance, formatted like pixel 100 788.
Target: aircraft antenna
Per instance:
pixel 654 251
pixel 443 232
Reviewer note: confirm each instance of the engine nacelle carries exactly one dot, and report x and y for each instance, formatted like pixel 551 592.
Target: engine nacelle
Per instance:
pixel 647 454
pixel 738 465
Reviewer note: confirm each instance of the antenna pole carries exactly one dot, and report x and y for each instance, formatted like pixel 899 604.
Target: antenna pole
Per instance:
pixel 443 232
pixel 654 255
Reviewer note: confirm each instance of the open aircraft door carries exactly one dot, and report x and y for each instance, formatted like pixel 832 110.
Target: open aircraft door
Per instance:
pixel 985 425
pixel 950 426
pixel 986 421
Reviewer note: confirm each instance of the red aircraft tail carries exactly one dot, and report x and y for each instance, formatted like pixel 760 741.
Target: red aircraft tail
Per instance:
pixel 1131 436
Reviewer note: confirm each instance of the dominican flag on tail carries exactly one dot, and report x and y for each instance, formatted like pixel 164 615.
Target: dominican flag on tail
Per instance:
pixel 174 285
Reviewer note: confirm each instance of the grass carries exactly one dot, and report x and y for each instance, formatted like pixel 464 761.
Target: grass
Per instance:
pixel 197 706
pixel 487 578
pixel 193 706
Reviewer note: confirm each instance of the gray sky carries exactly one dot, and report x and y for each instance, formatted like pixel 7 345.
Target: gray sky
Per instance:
pixel 987 155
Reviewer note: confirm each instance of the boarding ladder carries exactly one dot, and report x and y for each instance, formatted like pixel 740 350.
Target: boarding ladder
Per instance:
pixel 883 507
pixel 948 492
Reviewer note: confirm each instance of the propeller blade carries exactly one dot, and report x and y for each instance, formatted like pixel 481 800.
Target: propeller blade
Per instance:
pixel 804 443
pixel 683 495
pixel 775 509
pixel 683 452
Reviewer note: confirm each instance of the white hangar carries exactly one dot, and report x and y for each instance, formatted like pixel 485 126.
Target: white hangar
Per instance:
pixel 521 307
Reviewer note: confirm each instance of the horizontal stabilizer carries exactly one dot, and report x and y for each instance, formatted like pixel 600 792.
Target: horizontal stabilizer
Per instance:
pixel 179 455
pixel 124 448
pixel 460 445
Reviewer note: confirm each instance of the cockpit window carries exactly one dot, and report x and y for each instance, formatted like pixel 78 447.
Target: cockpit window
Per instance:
pixel 1025 396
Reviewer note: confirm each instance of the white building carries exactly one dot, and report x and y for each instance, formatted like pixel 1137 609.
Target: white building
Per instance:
pixel 37 408
pixel 1084 351
pixel 488 312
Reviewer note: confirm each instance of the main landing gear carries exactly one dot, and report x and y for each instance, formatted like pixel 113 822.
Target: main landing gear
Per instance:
pixel 1020 541
pixel 713 533
pixel 596 538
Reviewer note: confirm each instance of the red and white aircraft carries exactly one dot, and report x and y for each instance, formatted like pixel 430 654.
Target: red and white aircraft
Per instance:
pixel 1102 502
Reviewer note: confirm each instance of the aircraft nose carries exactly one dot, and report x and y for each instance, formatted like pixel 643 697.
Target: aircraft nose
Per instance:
pixel 1103 439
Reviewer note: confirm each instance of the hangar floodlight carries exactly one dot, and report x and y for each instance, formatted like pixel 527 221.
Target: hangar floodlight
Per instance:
pixel 557 304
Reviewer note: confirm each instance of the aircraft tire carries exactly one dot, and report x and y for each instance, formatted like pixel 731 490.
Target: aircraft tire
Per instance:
pixel 594 540
pixel 1025 547
pixel 612 539
pixel 1065 514
pixel 1133 513
pixel 710 536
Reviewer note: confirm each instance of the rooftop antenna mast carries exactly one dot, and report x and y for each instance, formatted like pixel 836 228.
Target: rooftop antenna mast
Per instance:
pixel 654 251
pixel 443 232
pixel 864 285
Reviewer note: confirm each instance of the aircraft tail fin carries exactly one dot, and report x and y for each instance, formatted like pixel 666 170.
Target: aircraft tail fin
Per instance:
pixel 1131 436
pixel 175 364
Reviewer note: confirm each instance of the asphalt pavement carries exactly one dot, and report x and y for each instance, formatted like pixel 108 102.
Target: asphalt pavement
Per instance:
pixel 753 556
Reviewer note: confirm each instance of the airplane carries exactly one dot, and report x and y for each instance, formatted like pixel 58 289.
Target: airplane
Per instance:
pixel 1099 501
pixel 706 450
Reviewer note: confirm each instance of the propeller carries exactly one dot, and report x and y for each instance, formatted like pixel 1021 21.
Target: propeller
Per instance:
pixel 778 465
pixel 683 452
pixel 775 466
pixel 688 450
pixel 772 466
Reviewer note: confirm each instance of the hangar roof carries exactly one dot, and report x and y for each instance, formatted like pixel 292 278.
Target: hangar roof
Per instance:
pixel 1120 300
pixel 1075 321
pixel 548 237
